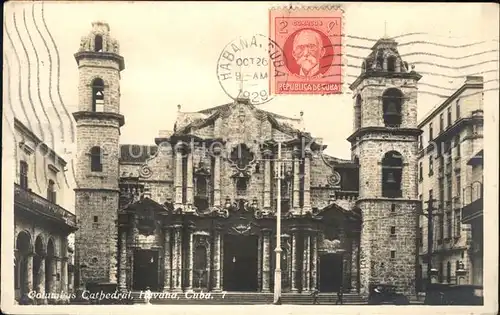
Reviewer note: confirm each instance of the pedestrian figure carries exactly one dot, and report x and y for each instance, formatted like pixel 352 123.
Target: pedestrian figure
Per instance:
pixel 315 294
pixel 147 296
pixel 340 296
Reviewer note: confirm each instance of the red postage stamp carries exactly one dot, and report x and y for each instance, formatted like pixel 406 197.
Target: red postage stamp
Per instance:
pixel 311 40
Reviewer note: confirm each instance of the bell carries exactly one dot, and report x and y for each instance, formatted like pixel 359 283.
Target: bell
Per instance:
pixel 391 109
pixel 390 178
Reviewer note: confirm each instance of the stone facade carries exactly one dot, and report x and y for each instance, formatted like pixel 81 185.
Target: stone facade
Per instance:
pixel 41 223
pixel 97 194
pixel 452 136
pixel 198 210
pixel 384 143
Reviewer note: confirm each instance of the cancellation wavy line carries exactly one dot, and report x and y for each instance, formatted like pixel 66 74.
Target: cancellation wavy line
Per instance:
pixel 25 112
pixel 422 41
pixel 51 131
pixel 424 53
pixel 28 69
pixel 50 89
pixel 414 33
pixel 61 122
pixel 56 51
pixel 461 76
pixel 42 132
pixel 9 100
pixel 427 63
pixel 58 79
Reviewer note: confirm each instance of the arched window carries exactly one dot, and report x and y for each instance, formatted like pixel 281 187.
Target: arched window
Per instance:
pixel 440 274
pixel 391 64
pixel 97 95
pixel 363 67
pixel 392 104
pixel 380 62
pixel 23 172
pixel 96 159
pixel 448 272
pixel 51 192
pixel 392 171
pixel 98 43
pixel 407 67
pixel 357 112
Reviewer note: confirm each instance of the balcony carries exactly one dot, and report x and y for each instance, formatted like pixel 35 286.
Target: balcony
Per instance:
pixel 473 202
pixel 32 202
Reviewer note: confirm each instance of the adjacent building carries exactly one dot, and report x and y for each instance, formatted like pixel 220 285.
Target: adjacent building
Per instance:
pixel 450 186
pixel 42 224
pixel 198 209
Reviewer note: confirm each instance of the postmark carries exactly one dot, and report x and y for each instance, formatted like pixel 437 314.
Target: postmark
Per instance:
pixel 312 44
pixel 246 65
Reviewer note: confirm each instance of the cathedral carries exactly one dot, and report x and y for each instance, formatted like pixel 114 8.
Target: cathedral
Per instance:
pixel 197 211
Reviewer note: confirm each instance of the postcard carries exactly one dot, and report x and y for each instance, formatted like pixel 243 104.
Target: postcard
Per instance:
pixel 289 157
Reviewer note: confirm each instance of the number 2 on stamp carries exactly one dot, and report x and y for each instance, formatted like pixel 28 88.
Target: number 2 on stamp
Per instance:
pixel 331 25
pixel 283 26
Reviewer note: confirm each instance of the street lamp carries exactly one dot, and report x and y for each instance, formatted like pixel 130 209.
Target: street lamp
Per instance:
pixel 430 237
pixel 277 271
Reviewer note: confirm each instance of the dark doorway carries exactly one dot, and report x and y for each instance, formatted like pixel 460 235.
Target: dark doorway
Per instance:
pixel 240 263
pixel 330 272
pixel 145 270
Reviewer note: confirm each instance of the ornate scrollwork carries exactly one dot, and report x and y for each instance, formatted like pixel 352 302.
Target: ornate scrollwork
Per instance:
pixel 217 211
pixel 334 179
pixel 263 214
pixel 145 171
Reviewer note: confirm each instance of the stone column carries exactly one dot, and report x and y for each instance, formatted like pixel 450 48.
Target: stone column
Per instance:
pixel 294 261
pixel 266 262
pixel 296 184
pixel 57 271
pixel 177 263
pixel 314 262
pixel 178 177
pixel 166 260
pixel 354 265
pixel 306 273
pixel 217 262
pixel 217 199
pixel 29 273
pixel 267 181
pixel 307 183
pixel 189 175
pixel 41 280
pixel 190 260
pixel 222 260
pixel 64 274
pixel 259 263
pixel 122 275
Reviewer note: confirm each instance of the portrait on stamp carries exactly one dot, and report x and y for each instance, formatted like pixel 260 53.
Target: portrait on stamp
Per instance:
pixel 312 44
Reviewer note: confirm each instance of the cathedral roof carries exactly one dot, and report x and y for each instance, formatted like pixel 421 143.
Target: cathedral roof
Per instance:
pixel 199 119
pixel 136 153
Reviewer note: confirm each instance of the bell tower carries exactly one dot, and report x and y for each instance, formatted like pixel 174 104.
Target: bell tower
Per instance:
pixel 98 123
pixel 384 144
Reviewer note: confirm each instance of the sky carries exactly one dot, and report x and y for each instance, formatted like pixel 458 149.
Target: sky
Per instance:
pixel 171 51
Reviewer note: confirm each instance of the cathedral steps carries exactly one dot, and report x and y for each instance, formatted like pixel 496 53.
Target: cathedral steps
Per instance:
pixel 252 298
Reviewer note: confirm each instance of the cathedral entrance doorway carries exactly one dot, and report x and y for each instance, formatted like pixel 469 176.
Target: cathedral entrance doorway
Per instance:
pixel 330 272
pixel 145 270
pixel 240 262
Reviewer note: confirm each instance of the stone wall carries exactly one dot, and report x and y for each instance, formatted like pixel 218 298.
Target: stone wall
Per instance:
pixel 386 257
